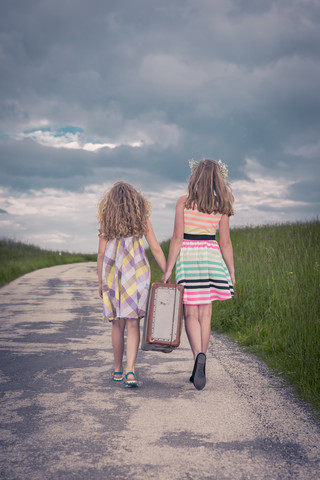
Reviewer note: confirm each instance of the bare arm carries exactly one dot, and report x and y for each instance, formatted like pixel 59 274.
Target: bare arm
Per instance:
pixel 101 249
pixel 226 245
pixel 176 240
pixel 155 247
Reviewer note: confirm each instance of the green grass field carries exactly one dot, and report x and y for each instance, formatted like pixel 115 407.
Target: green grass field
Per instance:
pixel 276 306
pixel 275 311
pixel 17 258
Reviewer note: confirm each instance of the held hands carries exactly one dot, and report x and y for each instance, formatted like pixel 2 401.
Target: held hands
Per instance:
pixel 166 277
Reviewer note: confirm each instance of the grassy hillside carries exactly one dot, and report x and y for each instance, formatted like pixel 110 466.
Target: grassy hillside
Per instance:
pixel 275 311
pixel 17 258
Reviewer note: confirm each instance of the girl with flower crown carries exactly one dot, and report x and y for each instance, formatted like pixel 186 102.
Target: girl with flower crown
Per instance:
pixel 124 271
pixel 205 271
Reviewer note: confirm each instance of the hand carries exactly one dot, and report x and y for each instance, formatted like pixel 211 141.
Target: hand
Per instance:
pixel 100 291
pixel 166 277
pixel 233 279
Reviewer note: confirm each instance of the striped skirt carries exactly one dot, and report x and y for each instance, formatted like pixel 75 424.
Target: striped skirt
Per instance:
pixel 125 279
pixel 200 268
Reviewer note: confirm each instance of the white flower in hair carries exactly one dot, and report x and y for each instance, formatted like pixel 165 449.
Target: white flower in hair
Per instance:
pixel 223 169
pixel 193 164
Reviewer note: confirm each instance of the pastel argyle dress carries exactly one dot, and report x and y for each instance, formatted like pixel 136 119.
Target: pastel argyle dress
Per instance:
pixel 125 279
pixel 200 266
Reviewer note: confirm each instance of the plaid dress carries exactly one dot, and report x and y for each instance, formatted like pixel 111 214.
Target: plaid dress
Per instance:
pixel 126 279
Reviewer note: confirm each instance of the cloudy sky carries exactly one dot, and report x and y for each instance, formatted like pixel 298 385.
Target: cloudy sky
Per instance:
pixel 94 91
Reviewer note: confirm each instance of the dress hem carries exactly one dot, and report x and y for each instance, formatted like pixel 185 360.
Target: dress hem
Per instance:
pixel 111 319
pixel 208 303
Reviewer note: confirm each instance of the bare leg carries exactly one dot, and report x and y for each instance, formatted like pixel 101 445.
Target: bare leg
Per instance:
pixel 205 312
pixel 133 339
pixel 198 326
pixel 118 343
pixel 193 328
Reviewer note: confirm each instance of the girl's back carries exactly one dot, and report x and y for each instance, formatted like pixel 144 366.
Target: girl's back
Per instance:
pixel 196 223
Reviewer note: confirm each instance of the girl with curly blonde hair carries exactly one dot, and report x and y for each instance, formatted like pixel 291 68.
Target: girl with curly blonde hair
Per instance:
pixel 205 271
pixel 124 270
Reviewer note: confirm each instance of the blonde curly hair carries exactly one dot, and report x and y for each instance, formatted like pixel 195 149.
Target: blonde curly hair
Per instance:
pixel 207 189
pixel 123 212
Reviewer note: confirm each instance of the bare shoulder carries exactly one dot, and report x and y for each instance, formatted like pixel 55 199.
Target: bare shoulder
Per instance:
pixel 182 200
pixel 181 204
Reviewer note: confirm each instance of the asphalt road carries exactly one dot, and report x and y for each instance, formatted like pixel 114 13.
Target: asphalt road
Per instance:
pixel 62 417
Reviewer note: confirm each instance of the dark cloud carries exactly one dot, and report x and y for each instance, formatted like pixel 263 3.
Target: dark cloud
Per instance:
pixel 236 80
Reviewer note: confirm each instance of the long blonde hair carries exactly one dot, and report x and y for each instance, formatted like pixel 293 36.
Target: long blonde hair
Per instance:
pixel 208 191
pixel 123 212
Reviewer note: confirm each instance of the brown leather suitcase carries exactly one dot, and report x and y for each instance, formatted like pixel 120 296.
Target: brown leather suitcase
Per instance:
pixel 162 323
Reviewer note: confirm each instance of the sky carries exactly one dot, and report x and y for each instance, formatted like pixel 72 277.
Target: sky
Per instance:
pixel 96 91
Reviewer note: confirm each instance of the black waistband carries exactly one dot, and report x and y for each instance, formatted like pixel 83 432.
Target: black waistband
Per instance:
pixel 191 236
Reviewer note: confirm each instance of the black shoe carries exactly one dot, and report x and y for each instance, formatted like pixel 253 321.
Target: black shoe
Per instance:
pixel 199 371
pixel 194 369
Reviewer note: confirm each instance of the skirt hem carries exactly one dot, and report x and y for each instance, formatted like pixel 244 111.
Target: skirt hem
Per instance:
pixel 112 319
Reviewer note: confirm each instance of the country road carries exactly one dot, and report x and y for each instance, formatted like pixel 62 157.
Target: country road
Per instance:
pixel 62 417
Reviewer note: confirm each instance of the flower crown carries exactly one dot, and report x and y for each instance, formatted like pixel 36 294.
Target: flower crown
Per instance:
pixel 222 167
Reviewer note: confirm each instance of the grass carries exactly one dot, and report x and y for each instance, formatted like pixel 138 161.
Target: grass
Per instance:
pixel 275 311
pixel 17 258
